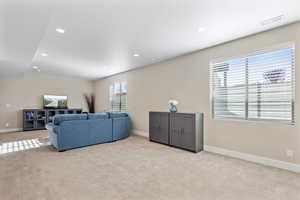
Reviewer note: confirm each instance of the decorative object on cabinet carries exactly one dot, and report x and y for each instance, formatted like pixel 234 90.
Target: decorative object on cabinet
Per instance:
pixel 173 104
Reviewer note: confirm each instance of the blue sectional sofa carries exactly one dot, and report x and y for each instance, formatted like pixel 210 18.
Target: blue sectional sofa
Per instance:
pixel 70 131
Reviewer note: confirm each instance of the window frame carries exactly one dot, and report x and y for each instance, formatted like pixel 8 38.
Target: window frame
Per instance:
pixel 255 53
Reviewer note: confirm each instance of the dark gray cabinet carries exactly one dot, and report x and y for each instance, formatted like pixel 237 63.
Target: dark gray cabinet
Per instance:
pixel 159 127
pixel 182 130
pixel 186 131
pixel 36 119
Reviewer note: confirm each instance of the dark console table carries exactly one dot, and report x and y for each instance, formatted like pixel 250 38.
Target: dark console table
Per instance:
pixel 182 130
pixel 36 119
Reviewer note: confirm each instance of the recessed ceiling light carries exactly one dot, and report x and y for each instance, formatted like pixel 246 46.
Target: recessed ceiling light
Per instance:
pixel 38 70
pixel 60 30
pixel 35 67
pixel 201 29
pixel 136 55
pixel 44 54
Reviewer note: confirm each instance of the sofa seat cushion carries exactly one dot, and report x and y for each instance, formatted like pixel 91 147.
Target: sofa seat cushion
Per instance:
pixel 117 114
pixel 58 119
pixel 100 115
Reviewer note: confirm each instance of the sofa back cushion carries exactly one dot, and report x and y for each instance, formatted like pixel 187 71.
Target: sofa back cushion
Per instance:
pixel 117 114
pixel 100 115
pixel 58 119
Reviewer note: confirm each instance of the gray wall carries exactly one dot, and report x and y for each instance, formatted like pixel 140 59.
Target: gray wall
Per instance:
pixel 17 93
pixel 186 79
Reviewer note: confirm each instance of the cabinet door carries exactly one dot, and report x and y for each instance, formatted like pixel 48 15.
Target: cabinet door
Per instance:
pixel 40 119
pixel 175 131
pixel 35 119
pixel 188 139
pixel 28 119
pixel 164 128
pixel 159 127
pixel 183 131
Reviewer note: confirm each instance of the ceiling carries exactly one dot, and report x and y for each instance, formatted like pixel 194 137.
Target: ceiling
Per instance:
pixel 101 36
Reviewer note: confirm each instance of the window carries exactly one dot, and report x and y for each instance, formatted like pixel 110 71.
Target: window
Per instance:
pixel 256 87
pixel 118 97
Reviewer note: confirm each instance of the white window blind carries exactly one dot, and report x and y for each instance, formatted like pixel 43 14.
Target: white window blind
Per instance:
pixel 255 87
pixel 118 97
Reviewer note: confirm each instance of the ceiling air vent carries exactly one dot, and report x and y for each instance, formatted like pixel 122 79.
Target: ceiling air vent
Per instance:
pixel 272 20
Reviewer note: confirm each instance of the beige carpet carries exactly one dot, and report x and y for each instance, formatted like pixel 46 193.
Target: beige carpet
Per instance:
pixel 133 169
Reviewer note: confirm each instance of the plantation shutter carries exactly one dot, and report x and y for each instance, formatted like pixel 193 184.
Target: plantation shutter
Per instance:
pixel 256 87
pixel 229 89
pixel 118 97
pixel 271 85
pixel 123 98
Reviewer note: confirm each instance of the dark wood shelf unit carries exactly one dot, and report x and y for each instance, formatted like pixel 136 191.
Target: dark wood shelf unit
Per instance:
pixel 36 119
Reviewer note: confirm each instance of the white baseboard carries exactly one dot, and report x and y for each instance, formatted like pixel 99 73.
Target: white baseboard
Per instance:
pixel 243 156
pixel 140 133
pixel 253 158
pixel 8 130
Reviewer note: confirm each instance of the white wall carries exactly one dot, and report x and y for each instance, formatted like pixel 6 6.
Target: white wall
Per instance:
pixel 186 79
pixel 17 93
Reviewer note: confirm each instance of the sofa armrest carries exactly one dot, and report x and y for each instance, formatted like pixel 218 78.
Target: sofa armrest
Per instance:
pixel 53 128
pixel 121 128
pixel 53 132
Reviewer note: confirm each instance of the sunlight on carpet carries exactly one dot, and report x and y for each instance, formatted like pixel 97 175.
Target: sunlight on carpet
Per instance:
pixel 20 145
